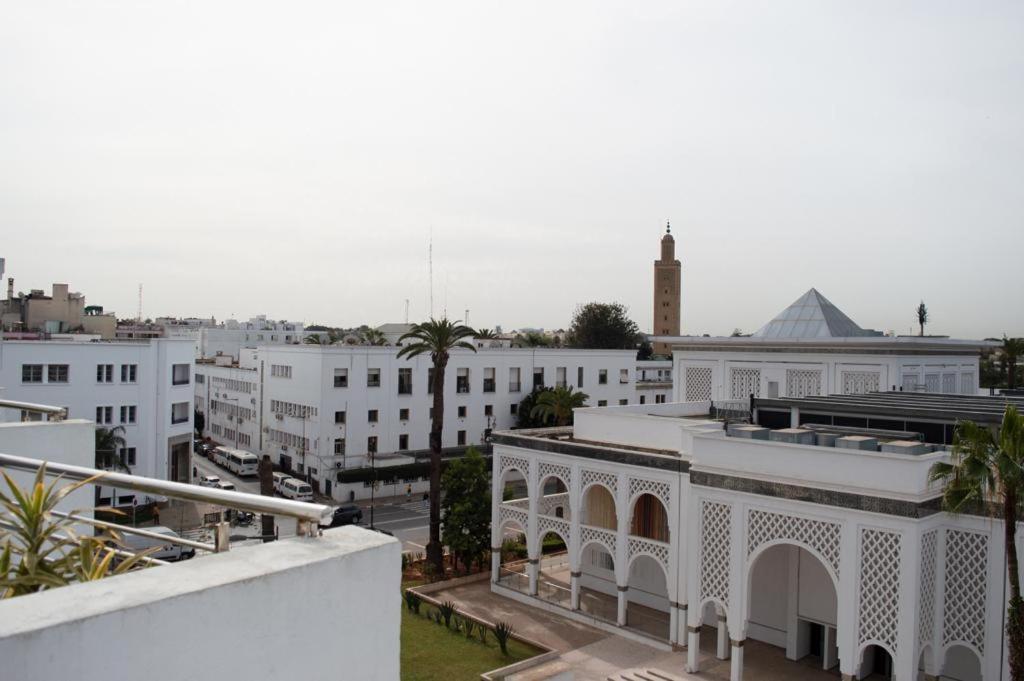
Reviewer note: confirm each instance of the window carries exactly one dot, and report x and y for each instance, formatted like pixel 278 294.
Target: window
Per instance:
pixel 339 417
pixel 128 457
pixel 538 377
pixel 179 374
pixel 104 373
pixel 371 444
pixel 403 442
pixel 57 373
pixel 430 414
pixel 129 372
pixel 31 373
pixel 179 412
pixel 488 410
pixel 104 414
pixel 579 377
pixel 403 414
pixel 659 399
pixel 280 370
pixel 405 381
pixel 560 381
pixel 462 412
pixel 339 444
pixel 602 376
pixel 462 380
pixel 128 413
pixel 602 403
pixel 623 403
pixel 200 378
pixel 514 408
pixel 461 437
pixel 373 378
pixel 489 379
pixel 643 399
pixel 623 375
pixel 514 385
pixel 341 378
pixel 371 416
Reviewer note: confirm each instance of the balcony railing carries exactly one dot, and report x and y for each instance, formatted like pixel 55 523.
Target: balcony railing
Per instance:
pixel 52 413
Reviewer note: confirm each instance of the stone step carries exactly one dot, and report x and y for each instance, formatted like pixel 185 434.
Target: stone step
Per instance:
pixel 640 674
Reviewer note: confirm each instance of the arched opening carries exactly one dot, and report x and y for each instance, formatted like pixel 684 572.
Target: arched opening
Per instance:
pixel 514 488
pixel 649 518
pixel 961 663
pixel 647 602
pixel 598 508
pixel 553 583
pixel 554 499
pixel 512 571
pixel 875 664
pixel 792 605
pixel 598 591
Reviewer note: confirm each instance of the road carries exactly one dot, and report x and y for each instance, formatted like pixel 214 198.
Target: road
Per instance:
pixel 408 521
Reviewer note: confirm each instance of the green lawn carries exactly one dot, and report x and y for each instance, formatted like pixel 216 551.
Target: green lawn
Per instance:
pixel 431 652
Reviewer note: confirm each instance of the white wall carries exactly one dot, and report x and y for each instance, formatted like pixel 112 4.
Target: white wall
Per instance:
pixel 66 442
pixel 325 608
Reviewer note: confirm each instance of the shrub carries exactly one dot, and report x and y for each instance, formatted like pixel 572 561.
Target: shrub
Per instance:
pixel 447 610
pixel 468 626
pixel 502 632
pixel 413 601
pixel 481 631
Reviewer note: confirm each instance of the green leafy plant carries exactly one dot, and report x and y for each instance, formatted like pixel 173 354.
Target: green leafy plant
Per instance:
pixel 447 610
pixel 503 632
pixel 467 627
pixel 481 631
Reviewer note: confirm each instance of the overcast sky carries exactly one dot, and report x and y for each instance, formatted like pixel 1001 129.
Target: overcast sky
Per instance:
pixel 291 159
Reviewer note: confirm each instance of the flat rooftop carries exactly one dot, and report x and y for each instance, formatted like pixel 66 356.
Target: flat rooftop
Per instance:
pixel 932 406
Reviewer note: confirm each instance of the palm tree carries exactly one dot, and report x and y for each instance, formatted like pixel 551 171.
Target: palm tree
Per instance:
pixel 317 339
pixel 374 337
pixel 922 315
pixel 558 404
pixel 987 471
pixel 485 334
pixel 108 442
pixel 532 339
pixel 1012 348
pixel 438 337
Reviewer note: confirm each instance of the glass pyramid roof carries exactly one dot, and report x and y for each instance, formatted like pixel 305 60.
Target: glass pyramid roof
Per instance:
pixel 811 316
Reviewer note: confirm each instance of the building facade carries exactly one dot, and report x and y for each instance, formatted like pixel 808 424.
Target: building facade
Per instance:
pixel 144 387
pixel 60 312
pixel 667 293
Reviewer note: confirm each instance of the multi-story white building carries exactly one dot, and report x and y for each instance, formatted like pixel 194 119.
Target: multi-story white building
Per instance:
pixel 144 387
pixel 320 409
pixel 824 543
pixel 812 348
pixel 654 381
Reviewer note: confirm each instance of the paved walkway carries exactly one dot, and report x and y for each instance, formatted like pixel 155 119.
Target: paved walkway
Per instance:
pixel 590 654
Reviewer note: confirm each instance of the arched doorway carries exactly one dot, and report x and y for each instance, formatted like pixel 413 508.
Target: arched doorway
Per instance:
pixel 961 663
pixel 554 498
pixel 511 531
pixel 875 664
pixel 647 601
pixel 649 518
pixel 554 578
pixel 792 604
pixel 598 592
pixel 598 508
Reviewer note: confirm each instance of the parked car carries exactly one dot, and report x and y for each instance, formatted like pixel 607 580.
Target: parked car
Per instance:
pixel 209 481
pixel 346 515
pixel 226 486
pixel 168 551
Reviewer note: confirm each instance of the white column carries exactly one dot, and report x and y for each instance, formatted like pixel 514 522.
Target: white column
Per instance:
pixel 574 590
pixel 495 516
pixel 905 663
pixel 693 611
pixel 532 540
pixel 533 570
pixel 673 623
pixel 794 416
pixel 846 606
pixel 620 617
pixel 722 651
pixel 575 557
pixel 933 660
pixel 622 546
pixel 677 560
pixel 495 563
pixel 792 598
pixel 736 668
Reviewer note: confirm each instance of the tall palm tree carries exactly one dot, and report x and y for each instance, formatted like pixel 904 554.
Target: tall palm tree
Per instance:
pixel 1012 349
pixel 922 315
pixel 374 337
pixel 108 442
pixel 438 337
pixel 987 471
pixel 557 405
pixel 485 334
pixel 319 339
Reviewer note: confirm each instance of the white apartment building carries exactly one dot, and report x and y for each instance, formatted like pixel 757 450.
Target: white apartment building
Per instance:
pixel 812 348
pixel 145 387
pixel 654 381
pixel 320 409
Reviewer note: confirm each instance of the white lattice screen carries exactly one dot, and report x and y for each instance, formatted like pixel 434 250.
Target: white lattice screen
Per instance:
pixel 931 383
pixel 715 535
pixel 803 382
pixel 659 489
pixel 609 480
pixel 860 382
pixel 949 383
pixel 744 382
pixel 518 463
pixel 698 383
pixel 559 527
pixel 605 538
pixel 822 536
pixel 879 608
pixel 655 549
pixel 967 384
pixel 926 611
pixel 548 469
pixel 966 586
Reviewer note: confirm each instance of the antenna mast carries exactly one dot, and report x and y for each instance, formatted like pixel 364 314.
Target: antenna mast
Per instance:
pixel 430 268
pixel 406 310
pixel 138 314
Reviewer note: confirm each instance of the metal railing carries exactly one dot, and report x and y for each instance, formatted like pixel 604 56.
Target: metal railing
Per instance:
pixel 54 413
pixel 308 516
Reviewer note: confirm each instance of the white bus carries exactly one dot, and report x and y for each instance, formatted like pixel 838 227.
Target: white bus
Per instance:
pixel 238 461
pixel 292 488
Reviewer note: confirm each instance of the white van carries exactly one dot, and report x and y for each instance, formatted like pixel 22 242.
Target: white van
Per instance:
pixel 298 490
pixel 168 551
pixel 242 463
pixel 278 479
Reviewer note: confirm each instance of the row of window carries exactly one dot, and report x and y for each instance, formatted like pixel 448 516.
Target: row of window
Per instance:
pixel 235 437
pixel 281 370
pixel 105 414
pixel 229 408
pixel 61 373
pixel 462 378
pixel 403 443
pixel 231 384
pixel 373 415
pixel 292 409
pixel 288 439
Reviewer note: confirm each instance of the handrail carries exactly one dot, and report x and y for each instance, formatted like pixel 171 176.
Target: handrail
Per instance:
pixel 181 541
pixel 117 552
pixel 255 503
pixel 60 413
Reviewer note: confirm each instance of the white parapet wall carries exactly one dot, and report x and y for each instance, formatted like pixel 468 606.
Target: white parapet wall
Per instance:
pixel 310 609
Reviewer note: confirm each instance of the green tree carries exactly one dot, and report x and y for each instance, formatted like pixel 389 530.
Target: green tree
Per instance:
pixel 603 326
pixel 557 405
pixel 644 351
pixel 437 337
pixel 922 316
pixel 531 339
pixel 1012 349
pixel 987 471
pixel 467 507
pixel 485 334
pixel 524 412
pixel 374 337
pixel 108 442
pixel 199 421
pixel 327 338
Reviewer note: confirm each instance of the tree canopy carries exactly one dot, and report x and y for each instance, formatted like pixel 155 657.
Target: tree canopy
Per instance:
pixel 466 506
pixel 603 326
